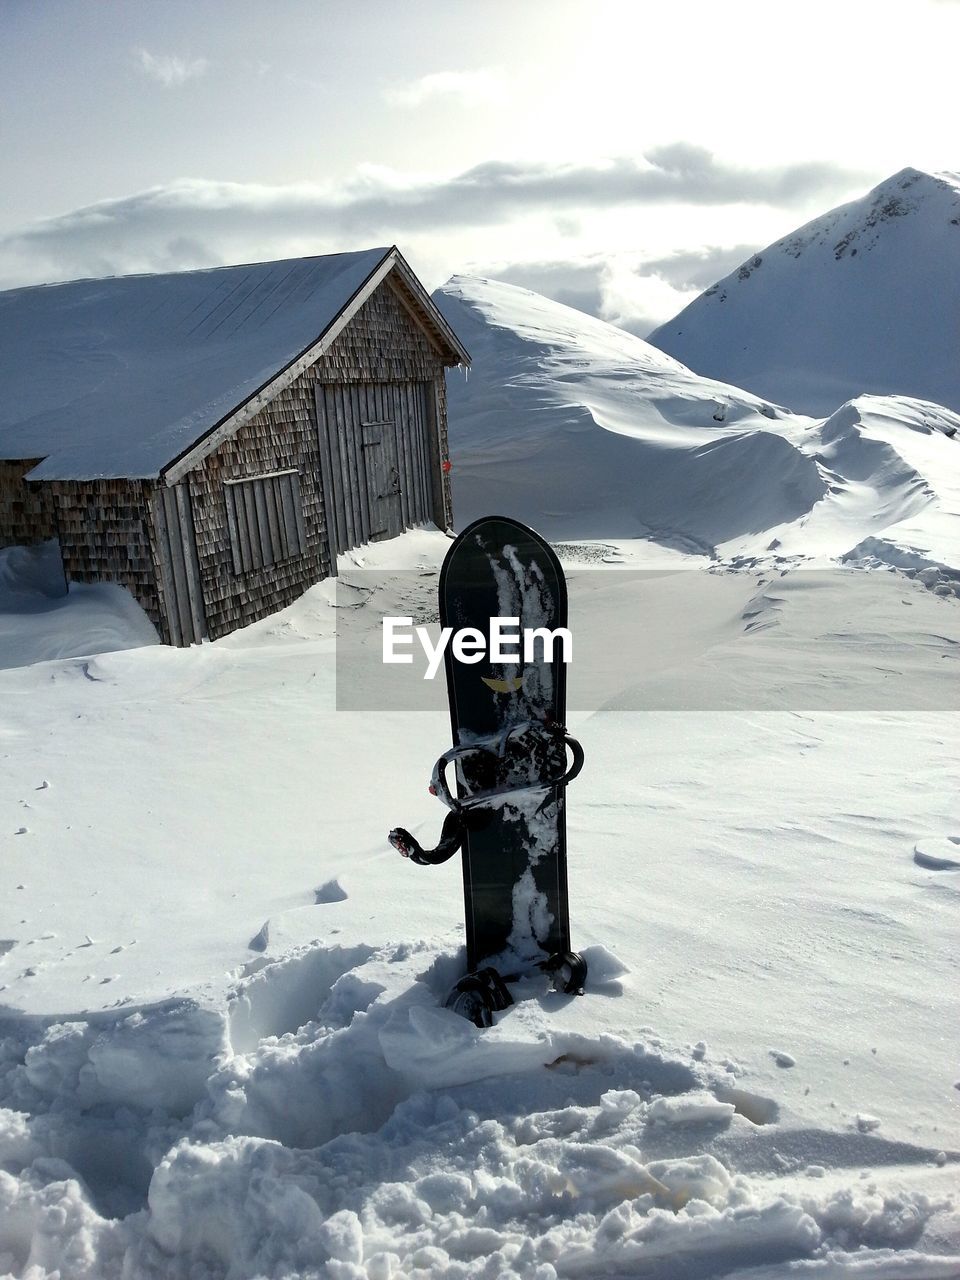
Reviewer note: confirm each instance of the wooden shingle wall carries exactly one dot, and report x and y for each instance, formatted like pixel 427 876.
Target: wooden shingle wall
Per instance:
pixel 26 511
pixel 382 343
pixel 100 524
pixel 104 535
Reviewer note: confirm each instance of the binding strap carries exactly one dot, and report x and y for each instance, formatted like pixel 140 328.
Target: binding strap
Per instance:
pixel 502 759
pixel 451 838
pixel 502 763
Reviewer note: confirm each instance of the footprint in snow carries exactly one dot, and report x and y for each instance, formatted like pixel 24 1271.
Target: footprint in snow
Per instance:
pixel 260 941
pixel 934 855
pixel 332 891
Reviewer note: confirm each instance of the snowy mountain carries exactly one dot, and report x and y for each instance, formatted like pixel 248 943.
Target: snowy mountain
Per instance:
pixel 864 299
pixel 586 431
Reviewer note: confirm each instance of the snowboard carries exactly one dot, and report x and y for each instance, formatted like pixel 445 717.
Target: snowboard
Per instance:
pixel 511 759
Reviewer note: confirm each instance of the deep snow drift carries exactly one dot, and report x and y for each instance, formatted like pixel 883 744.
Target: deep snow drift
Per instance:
pixel 586 431
pixel 41 619
pixel 863 299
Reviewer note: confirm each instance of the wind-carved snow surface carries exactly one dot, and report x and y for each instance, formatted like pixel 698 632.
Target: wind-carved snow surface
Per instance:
pixel 863 299
pixel 587 432
pixel 757 1081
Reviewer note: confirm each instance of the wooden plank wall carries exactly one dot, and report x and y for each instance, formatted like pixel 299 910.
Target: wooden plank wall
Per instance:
pixel 439 442
pixel 174 545
pixel 380 344
pixel 415 462
pixel 279 438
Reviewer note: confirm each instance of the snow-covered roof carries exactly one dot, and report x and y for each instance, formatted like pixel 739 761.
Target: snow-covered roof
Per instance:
pixel 119 377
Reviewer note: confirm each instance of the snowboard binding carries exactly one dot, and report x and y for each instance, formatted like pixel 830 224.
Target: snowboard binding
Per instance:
pixel 530 756
pixel 568 969
pixel 478 996
pixel 481 994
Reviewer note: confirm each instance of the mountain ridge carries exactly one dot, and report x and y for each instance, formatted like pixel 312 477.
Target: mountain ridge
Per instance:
pixel 863 299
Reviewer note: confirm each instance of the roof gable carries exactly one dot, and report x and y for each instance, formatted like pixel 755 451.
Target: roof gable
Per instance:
pixel 118 377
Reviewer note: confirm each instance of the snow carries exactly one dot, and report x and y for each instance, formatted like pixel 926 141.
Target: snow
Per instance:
pixel 223 1048
pixel 224 1052
pixel 41 619
pixel 524 434
pixel 560 408
pixel 117 377
pixel 863 299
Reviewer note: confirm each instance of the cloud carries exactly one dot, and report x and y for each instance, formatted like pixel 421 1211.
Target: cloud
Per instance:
pixel 632 292
pixel 679 173
pixel 169 70
pixel 230 222
pixel 639 300
pixel 699 268
pixel 633 295
pixel 575 284
pixel 472 88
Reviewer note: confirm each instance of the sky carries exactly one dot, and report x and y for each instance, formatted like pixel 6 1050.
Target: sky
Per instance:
pixel 617 156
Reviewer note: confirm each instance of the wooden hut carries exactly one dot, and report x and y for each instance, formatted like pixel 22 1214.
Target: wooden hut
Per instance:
pixel 212 440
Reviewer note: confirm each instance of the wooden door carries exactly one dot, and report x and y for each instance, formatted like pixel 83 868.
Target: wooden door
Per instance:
pixel 180 584
pixel 374 460
pixel 382 473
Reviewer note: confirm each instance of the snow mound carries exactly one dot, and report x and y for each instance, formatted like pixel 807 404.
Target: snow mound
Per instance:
pixel 588 432
pixel 40 619
pixel 865 298
pixel 893 471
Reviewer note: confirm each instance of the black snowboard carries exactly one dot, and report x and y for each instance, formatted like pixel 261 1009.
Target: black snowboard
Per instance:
pixel 514 853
